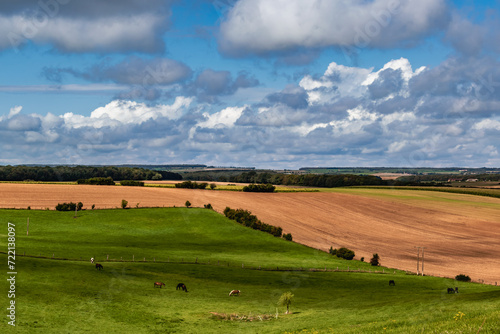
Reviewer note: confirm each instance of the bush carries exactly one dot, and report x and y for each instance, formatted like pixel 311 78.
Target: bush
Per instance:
pixel 260 188
pixel 246 218
pixel 375 261
pixel 103 181
pixel 288 236
pixel 191 185
pixel 132 183
pixel 124 204
pixel 208 206
pixel 463 278
pixel 66 206
pixel 343 253
pixel 188 204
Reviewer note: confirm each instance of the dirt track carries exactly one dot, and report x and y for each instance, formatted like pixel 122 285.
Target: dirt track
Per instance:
pixel 461 232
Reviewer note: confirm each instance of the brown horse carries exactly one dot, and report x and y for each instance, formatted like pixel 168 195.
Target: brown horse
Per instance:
pixel 98 266
pixel 181 286
pixel 234 293
pixel 159 284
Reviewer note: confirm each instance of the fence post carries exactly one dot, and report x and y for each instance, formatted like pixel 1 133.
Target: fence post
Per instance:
pixel 242 266
pixel 196 261
pixel 154 259
pixel 107 257
pixel 144 259
pixel 133 258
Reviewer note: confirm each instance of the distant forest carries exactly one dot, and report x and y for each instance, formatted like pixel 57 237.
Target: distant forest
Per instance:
pixel 74 173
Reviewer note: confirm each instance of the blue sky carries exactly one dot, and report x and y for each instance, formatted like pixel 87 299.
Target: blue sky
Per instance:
pixel 270 84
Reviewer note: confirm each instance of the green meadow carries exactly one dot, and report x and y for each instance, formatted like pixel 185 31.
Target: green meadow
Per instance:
pixel 58 290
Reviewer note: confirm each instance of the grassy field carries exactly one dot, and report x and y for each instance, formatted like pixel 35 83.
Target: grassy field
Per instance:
pixel 55 296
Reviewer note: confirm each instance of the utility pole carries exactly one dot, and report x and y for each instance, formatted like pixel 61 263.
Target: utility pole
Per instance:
pixel 418 258
pixel 423 260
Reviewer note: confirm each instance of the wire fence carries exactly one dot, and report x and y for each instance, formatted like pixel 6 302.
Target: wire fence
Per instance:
pixel 231 264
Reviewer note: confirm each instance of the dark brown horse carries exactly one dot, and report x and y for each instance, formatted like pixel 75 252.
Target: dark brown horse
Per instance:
pixel 98 266
pixel 181 286
pixel 159 284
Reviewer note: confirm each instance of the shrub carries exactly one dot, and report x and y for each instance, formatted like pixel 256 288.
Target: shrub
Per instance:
pixel 343 253
pixel 191 185
pixel 261 188
pixel 66 206
pixel 375 261
pixel 106 181
pixel 245 218
pixel 132 183
pixel 463 278
pixel 208 206
pixel 124 204
pixel 213 186
pixel 288 236
pixel 79 206
pixel 188 204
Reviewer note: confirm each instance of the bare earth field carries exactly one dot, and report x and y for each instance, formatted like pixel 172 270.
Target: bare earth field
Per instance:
pixel 461 232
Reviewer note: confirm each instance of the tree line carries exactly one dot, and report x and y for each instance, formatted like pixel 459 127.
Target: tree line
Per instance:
pixel 245 217
pixel 309 180
pixel 74 173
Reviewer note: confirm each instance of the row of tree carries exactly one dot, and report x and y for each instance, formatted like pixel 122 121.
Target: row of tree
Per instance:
pixel 259 188
pixel 245 217
pixel 73 173
pixel 308 180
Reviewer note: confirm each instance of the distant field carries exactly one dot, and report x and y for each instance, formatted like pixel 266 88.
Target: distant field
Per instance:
pixel 461 232
pixel 60 296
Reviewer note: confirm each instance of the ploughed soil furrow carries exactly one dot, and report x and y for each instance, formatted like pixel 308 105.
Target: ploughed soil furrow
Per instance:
pixel 462 235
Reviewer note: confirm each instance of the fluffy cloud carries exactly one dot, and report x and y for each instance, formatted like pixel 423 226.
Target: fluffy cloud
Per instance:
pixel 93 26
pixel 346 116
pixel 263 27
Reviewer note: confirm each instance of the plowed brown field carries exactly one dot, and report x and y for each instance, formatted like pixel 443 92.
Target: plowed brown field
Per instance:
pixel 461 233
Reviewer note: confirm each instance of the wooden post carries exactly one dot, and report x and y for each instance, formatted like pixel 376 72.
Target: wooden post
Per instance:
pixel 107 257
pixel 28 227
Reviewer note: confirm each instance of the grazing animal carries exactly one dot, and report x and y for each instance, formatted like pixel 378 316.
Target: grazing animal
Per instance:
pixel 91 260
pixel 451 290
pixel 391 282
pixel 234 293
pixel 456 289
pixel 98 266
pixel 181 286
pixel 159 284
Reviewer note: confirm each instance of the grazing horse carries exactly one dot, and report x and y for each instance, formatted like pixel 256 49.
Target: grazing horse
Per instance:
pixel 98 266
pixel 451 290
pixel 456 289
pixel 234 293
pixel 391 282
pixel 181 286
pixel 159 284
